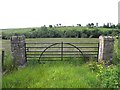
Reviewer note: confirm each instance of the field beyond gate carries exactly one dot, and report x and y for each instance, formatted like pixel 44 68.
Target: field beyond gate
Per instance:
pixel 56 49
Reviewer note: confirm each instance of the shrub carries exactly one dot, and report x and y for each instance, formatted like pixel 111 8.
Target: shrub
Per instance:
pixel 118 25
pixel 116 54
pixel 96 33
pixel 7 62
pixel 109 76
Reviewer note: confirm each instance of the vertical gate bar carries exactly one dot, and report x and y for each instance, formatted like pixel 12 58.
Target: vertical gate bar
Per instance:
pixel 98 52
pixel 61 50
pixel 25 53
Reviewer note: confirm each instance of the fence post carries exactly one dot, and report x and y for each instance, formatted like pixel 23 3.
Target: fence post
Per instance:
pixel 106 47
pixel 18 50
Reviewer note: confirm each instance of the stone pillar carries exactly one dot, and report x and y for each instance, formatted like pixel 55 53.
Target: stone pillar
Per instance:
pixel 18 50
pixel 106 47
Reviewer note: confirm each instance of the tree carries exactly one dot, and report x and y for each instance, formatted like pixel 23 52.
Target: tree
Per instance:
pixel 108 25
pixel 118 25
pixel 104 26
pixel 88 25
pixel 96 24
pixel 33 29
pixel 113 26
pixel 57 25
pixel 79 25
pixel 60 24
pixel 50 26
pixel 92 24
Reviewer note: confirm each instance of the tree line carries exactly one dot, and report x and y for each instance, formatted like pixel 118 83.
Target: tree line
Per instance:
pixel 91 25
pixel 46 32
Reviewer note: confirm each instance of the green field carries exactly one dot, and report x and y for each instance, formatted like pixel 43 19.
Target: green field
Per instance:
pixel 21 30
pixel 66 74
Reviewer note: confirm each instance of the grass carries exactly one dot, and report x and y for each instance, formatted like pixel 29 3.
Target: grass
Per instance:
pixel 52 75
pixel 19 30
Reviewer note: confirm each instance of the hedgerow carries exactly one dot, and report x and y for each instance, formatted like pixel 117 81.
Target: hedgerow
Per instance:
pixel 46 32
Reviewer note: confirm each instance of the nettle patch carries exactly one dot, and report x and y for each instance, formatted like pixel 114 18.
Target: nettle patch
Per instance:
pixel 108 76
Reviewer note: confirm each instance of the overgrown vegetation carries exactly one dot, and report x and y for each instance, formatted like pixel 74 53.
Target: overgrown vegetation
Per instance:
pixel 108 75
pixel 7 62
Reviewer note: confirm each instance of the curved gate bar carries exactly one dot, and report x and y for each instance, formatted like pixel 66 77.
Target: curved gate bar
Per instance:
pixel 46 49
pixel 76 48
pixel 60 43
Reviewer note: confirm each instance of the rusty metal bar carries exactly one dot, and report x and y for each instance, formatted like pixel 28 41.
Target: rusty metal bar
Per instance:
pixel 59 43
pixel 98 53
pixel 65 54
pixel 26 52
pixel 64 57
pixel 61 50
pixel 65 47
pixel 54 60
pixel 46 49
pixel 41 43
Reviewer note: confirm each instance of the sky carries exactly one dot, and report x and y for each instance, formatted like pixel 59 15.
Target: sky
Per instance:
pixel 36 13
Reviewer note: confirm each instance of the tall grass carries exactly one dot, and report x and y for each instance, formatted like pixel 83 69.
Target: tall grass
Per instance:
pixel 116 58
pixel 7 65
pixel 67 74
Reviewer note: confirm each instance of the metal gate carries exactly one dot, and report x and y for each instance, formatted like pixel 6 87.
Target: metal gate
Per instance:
pixel 40 51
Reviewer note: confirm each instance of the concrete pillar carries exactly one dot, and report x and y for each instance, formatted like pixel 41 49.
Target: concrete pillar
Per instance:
pixel 18 50
pixel 106 47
